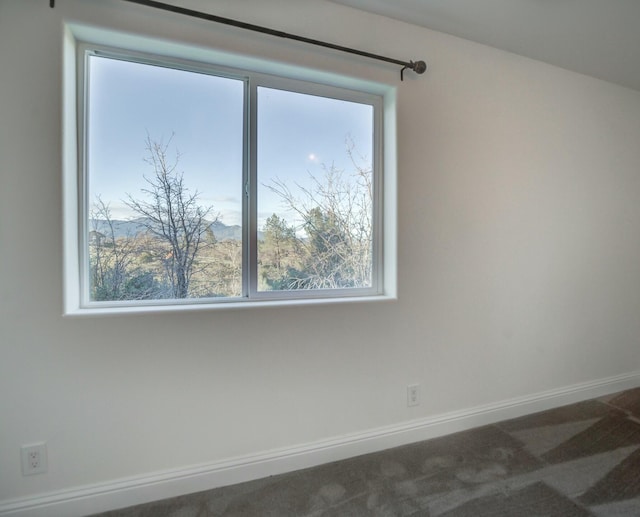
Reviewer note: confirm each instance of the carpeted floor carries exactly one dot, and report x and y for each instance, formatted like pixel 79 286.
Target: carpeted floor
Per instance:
pixel 582 459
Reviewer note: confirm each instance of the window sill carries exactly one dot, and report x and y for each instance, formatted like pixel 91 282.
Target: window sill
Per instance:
pixel 194 306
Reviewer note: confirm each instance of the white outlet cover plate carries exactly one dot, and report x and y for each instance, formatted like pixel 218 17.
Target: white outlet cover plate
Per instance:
pixel 413 395
pixel 34 458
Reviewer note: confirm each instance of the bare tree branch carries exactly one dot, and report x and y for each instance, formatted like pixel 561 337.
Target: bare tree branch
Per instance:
pixel 172 214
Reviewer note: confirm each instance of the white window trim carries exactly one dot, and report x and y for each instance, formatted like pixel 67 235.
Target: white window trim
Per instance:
pixel 78 38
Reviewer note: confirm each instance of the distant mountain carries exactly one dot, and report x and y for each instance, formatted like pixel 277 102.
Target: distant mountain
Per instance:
pixel 127 228
pixel 222 232
pixel 132 227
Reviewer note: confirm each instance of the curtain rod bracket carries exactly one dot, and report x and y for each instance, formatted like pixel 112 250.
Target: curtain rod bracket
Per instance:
pixel 419 67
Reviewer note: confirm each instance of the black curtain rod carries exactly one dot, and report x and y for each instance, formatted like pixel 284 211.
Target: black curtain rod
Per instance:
pixel 419 67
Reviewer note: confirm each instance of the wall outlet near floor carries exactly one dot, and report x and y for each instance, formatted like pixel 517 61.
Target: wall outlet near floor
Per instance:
pixel 413 395
pixel 34 458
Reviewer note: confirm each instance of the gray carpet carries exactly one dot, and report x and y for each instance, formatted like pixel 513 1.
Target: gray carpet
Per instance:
pixel 579 460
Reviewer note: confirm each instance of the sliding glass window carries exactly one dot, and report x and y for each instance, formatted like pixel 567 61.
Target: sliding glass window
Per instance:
pixel 202 184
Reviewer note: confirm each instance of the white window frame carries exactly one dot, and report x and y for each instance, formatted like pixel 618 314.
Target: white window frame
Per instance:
pixel 382 99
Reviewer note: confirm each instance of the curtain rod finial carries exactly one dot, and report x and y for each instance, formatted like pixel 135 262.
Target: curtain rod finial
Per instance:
pixel 419 67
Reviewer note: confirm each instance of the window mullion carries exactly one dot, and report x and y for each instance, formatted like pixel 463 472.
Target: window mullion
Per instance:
pixel 251 198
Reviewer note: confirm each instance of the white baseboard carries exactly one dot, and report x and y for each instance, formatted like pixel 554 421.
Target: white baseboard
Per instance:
pixel 101 497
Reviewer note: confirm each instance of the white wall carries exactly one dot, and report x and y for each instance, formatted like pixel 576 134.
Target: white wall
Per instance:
pixel 519 260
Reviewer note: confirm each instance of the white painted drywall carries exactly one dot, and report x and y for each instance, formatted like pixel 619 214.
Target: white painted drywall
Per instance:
pixel 519 259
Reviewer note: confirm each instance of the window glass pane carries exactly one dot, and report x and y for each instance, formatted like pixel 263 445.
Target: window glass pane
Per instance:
pixel 315 192
pixel 164 182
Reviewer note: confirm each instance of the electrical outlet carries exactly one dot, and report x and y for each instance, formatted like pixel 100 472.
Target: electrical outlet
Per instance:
pixel 34 458
pixel 413 395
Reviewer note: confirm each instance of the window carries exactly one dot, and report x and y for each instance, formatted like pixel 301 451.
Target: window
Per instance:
pixel 205 185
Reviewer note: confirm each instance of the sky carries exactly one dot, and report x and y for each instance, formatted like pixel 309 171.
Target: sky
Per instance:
pixel 200 116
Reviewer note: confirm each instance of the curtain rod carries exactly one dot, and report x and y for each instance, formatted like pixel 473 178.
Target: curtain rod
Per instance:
pixel 419 67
